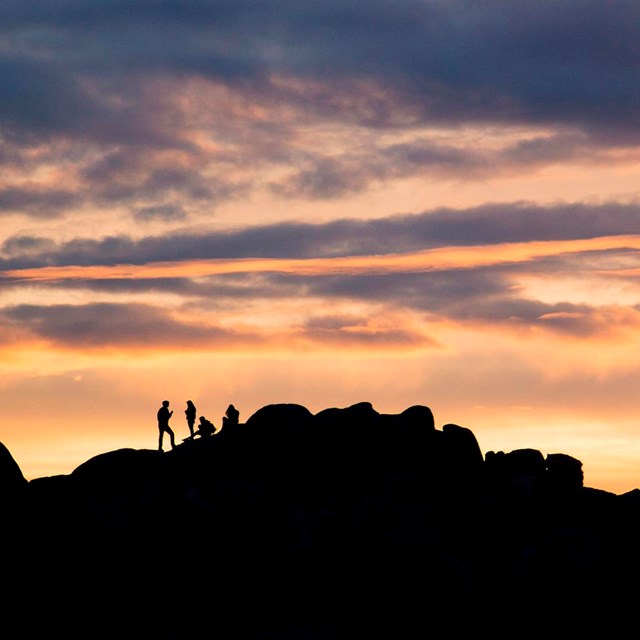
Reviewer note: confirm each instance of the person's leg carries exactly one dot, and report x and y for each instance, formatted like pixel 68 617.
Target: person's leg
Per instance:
pixel 160 440
pixel 172 437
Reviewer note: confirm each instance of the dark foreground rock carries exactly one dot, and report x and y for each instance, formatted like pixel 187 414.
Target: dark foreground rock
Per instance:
pixel 343 524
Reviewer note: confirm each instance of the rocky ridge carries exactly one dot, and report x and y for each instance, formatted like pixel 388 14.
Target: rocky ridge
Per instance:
pixel 345 523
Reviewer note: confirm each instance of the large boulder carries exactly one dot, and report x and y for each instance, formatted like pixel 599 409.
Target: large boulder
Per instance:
pixel 12 481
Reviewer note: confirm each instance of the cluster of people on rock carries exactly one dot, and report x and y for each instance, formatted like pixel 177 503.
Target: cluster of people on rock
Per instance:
pixel 204 429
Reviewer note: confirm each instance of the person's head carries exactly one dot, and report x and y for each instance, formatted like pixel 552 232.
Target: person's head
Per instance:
pixel 165 403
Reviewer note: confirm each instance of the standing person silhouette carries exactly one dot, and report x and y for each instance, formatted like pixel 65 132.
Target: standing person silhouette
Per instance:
pixel 163 424
pixel 190 412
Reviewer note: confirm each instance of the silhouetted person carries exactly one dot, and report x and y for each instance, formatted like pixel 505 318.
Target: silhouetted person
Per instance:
pixel 163 424
pixel 205 428
pixel 231 417
pixel 190 412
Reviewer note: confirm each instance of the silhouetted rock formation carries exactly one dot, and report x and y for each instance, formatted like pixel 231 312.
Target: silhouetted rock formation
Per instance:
pixel 347 523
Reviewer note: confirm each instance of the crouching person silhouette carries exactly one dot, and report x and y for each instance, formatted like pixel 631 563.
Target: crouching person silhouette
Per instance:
pixel 205 428
pixel 163 425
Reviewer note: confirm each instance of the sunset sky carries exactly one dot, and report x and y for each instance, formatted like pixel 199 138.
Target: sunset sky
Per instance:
pixel 401 202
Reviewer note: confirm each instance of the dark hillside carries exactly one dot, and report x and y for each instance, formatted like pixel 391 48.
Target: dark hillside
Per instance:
pixel 343 524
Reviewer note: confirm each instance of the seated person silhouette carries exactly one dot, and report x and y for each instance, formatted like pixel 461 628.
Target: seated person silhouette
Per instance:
pixel 231 417
pixel 205 428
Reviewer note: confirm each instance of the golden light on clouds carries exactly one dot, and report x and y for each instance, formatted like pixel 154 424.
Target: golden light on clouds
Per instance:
pixel 429 260
pixel 438 234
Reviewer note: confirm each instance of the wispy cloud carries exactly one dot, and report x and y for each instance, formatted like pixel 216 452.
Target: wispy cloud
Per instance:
pixel 484 225
pixel 107 326
pixel 121 93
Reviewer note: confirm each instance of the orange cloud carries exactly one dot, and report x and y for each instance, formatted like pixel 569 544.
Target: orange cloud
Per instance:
pixel 429 260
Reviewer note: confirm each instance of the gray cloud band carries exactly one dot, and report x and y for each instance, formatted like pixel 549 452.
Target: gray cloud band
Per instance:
pixel 482 225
